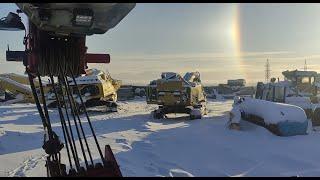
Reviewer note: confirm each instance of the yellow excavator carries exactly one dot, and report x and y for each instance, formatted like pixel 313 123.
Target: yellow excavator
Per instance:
pixel 98 88
pixel 176 94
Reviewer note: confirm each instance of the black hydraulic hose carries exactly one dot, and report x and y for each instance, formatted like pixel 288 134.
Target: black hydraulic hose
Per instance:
pixel 62 121
pixel 43 99
pixel 77 114
pixel 48 118
pixel 76 125
pixel 43 119
pixel 79 120
pixel 46 124
pixel 86 113
pixel 73 147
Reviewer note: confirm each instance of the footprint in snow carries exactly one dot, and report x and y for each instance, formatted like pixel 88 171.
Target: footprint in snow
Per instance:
pixel 124 144
pixel 179 173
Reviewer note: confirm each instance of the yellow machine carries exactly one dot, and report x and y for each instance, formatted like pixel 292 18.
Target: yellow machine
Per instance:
pixel 97 89
pixel 23 92
pixel 19 78
pixel 18 86
pixel 175 94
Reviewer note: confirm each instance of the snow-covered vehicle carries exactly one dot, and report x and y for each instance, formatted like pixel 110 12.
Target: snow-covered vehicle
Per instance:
pixel 279 118
pixel 176 94
pixel 98 89
pixel 298 88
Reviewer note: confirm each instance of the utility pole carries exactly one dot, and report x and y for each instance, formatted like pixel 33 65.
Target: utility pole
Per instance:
pixel 267 71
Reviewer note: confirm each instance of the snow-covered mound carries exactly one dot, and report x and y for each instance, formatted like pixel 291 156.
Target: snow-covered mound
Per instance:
pixel 287 119
pixel 272 112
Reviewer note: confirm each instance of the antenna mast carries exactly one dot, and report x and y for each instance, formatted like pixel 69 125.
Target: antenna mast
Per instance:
pixel 267 71
pixel 305 68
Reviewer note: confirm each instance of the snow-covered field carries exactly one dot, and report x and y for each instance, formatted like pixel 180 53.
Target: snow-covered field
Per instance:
pixel 144 146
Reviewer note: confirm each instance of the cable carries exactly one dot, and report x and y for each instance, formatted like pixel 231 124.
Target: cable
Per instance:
pixel 75 154
pixel 86 113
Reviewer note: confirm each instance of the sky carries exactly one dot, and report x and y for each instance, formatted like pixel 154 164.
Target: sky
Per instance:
pixel 222 41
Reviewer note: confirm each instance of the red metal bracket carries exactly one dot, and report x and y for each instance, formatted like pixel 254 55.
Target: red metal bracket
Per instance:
pixel 97 58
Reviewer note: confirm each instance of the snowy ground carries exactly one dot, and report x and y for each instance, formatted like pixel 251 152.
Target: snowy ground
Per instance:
pixel 176 146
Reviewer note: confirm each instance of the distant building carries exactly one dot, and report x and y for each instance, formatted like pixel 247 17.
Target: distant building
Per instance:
pixel 126 92
pixel 224 89
pixel 237 82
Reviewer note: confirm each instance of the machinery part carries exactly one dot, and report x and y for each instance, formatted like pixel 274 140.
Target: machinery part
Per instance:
pixel 8 96
pixel 75 18
pixel 19 78
pixel 111 107
pixel 11 23
pixel 53 145
pixel 195 114
pixel 55 46
pixel 16 88
pixel 158 114
pixel 315 118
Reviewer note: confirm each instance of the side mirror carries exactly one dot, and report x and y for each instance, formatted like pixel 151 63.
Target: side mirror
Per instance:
pixel 11 23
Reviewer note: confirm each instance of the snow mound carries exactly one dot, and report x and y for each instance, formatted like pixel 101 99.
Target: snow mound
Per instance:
pixel 271 112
